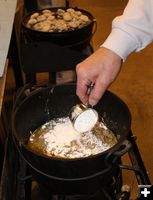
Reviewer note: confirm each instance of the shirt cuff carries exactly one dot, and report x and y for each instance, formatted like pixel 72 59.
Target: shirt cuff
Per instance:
pixel 121 43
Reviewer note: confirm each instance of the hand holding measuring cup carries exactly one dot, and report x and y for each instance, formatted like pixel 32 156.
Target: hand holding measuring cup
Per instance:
pixel 83 116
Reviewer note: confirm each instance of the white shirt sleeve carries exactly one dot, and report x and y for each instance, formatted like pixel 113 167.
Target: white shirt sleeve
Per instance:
pixel 133 30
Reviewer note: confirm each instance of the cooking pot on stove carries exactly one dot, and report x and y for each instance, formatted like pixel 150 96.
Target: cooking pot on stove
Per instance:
pixel 70 176
pixel 71 38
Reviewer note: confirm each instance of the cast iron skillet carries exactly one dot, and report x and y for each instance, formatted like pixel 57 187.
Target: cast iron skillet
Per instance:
pixel 53 102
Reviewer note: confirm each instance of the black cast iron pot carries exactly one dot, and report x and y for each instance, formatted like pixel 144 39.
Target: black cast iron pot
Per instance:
pixel 70 176
pixel 79 37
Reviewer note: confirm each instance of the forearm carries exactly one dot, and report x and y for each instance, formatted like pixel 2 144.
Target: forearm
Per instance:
pixel 133 30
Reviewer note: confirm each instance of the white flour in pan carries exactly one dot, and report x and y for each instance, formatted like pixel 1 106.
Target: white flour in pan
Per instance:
pixel 59 138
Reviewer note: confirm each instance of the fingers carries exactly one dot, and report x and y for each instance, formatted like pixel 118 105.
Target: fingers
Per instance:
pixel 89 83
pixel 90 93
pixel 97 92
pixel 101 68
pixel 82 89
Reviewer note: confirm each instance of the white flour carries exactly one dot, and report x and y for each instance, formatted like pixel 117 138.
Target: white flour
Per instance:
pixel 86 120
pixel 62 140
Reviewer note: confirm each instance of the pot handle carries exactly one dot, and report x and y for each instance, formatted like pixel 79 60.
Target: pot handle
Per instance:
pixel 120 150
pixel 124 148
pixel 25 91
pixel 20 95
pixel 94 27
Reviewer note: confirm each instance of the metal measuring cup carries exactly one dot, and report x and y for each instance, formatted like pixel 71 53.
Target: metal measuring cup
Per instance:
pixel 83 116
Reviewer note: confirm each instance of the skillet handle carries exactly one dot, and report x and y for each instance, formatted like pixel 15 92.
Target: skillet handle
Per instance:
pixel 121 149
